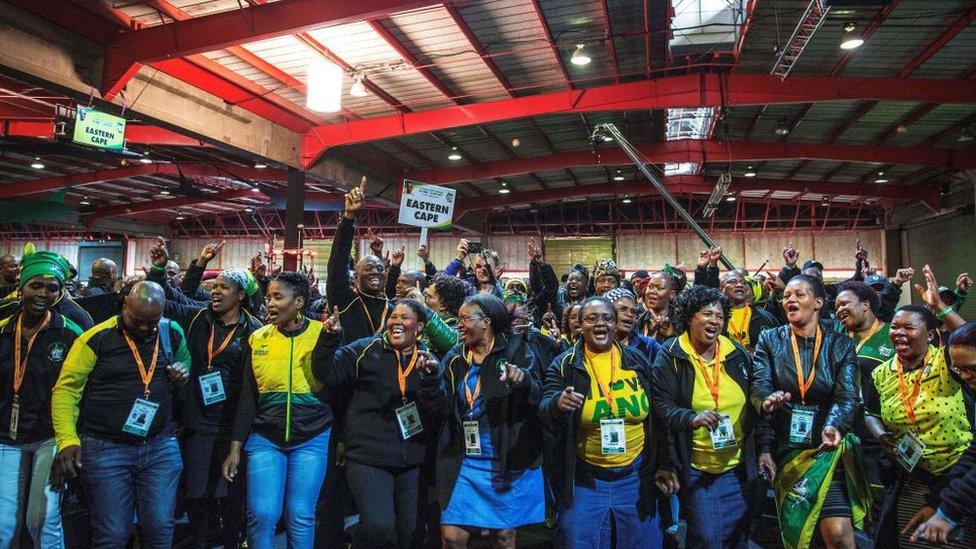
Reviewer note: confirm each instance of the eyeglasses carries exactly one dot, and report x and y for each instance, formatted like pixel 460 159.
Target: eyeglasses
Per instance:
pixel 598 319
pixel 968 369
pixel 470 319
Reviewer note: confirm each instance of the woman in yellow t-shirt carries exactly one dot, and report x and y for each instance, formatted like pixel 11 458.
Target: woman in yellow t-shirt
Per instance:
pixel 916 408
pixel 597 401
pixel 701 382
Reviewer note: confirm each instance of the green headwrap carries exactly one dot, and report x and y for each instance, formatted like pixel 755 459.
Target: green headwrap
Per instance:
pixel 45 265
pixel 243 278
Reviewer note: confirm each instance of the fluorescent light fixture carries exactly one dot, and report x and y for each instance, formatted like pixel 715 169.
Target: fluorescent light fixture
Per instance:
pixel 580 57
pixel 881 180
pixel 503 190
pixel 619 176
pixel 730 198
pixel 358 88
pixel 146 160
pixel 607 139
pixel 782 130
pixel 626 200
pixel 260 165
pixel 248 210
pixel 37 164
pixel 85 203
pixel 324 86
pixel 750 173
pixel 455 155
pixel 164 192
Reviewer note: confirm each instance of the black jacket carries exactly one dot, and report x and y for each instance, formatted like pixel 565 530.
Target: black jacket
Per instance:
pixel 356 323
pixel 835 390
pixel 567 370
pixel 516 433
pixel 190 282
pixel 367 369
pixel 543 285
pixel 673 382
pixel 65 306
pixel 707 276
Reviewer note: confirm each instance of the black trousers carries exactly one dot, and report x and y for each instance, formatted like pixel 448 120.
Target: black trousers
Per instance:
pixel 387 499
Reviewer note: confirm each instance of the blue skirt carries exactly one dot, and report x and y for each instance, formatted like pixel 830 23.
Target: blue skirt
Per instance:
pixel 476 503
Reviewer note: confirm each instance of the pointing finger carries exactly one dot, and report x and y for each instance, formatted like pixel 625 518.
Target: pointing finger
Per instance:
pixel 362 185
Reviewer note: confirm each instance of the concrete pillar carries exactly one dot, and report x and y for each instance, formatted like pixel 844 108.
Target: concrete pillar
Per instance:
pixel 294 216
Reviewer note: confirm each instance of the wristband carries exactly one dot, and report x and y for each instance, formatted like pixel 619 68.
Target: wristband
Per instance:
pixel 943 313
pixel 944 517
pixel 158 267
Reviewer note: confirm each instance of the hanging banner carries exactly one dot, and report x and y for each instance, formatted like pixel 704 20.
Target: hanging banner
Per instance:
pixel 428 206
pixel 98 129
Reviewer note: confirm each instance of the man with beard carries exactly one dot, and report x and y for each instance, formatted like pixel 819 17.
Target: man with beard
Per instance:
pixel 746 321
pixel 362 311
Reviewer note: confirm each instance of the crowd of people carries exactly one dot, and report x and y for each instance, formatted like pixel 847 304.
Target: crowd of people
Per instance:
pixel 411 408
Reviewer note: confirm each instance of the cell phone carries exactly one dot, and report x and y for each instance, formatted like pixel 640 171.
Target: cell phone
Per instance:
pixel 475 248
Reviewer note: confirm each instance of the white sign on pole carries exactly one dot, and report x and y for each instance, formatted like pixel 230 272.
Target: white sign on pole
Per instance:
pixel 426 206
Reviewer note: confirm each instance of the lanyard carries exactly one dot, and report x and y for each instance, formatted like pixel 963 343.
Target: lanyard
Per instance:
pixel 804 384
pixel 908 401
pixel 211 353
pixel 471 397
pixel 607 387
pixel 711 381
pixel 402 374
pixel 874 329
pixel 20 367
pixel 146 376
pixel 386 310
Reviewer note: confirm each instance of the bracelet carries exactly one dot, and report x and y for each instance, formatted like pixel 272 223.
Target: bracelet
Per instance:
pixel 946 518
pixel 943 313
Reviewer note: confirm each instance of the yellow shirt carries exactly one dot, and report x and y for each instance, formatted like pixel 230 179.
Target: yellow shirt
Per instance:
pixel 731 401
pixel 630 403
pixel 940 411
pixel 739 325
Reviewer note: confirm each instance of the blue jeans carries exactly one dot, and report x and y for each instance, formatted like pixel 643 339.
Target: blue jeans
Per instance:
pixel 26 498
pixel 124 480
pixel 716 509
pixel 586 523
pixel 284 476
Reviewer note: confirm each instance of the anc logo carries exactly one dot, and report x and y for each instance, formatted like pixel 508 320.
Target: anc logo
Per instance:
pixel 885 351
pixel 56 351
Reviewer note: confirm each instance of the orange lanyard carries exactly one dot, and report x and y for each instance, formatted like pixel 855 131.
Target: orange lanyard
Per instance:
pixel 146 375
pixel 402 374
pixel 20 367
pixel 211 353
pixel 386 310
pixel 468 395
pixel 607 387
pixel 712 382
pixel 804 384
pixel 874 329
pixel 908 401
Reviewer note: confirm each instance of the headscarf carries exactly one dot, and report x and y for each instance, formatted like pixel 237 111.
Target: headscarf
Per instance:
pixel 606 267
pixel 619 293
pixel 678 276
pixel 243 278
pixel 43 264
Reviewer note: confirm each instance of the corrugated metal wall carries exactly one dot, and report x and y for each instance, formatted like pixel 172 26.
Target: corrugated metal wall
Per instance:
pixel 946 243
pixel 67 248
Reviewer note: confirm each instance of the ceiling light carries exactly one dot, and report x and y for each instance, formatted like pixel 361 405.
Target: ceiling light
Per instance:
pixel 965 138
pixel 579 56
pixel 358 88
pixel 85 203
pixel 607 138
pixel 825 202
pixel 260 165
pixel 619 176
pixel 881 180
pixel 851 39
pixel 730 198
pixel 626 200
pixel 145 160
pixel 164 192
pixel 324 86
pixel 750 173
pixel 248 210
pixel 37 164
pixel 503 190
pixel 782 130
pixel 455 155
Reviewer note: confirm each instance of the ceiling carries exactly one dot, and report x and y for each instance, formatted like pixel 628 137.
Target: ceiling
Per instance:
pixel 851 155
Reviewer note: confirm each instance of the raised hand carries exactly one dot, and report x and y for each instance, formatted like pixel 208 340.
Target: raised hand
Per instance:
pixel 860 253
pixel 773 285
pixel 903 275
pixel 398 256
pixel 964 283
pixel 375 243
pixel 714 256
pixel 427 364
pixel 355 199
pixel 158 254
pixel 415 293
pixel 209 252
pixel 535 254
pixel 702 259
pixel 423 252
pixel 330 324
pixel 790 255
pixel 930 293
pixel 512 375
pixel 551 323
pixel 462 248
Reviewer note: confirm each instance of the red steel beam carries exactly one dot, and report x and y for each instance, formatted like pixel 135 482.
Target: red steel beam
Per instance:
pixel 684 185
pixel 203 170
pixel 178 202
pixel 704 151
pixel 134 133
pixel 232 28
pixel 702 90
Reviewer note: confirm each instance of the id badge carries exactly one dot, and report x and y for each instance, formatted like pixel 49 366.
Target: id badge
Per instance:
pixel 212 388
pixel 613 440
pixel 801 425
pixel 14 420
pixel 723 435
pixel 472 438
pixel 909 450
pixel 408 417
pixel 140 417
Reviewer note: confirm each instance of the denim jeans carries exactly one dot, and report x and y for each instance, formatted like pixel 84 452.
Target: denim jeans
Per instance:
pixel 716 509
pixel 285 478
pixel 586 523
pixel 26 498
pixel 124 480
